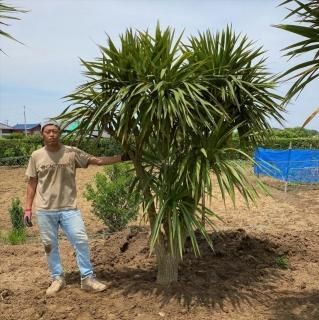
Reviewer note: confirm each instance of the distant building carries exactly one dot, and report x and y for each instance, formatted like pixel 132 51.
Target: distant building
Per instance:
pixel 30 128
pixel 5 129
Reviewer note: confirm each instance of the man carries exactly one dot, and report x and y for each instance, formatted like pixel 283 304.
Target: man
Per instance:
pixel 51 172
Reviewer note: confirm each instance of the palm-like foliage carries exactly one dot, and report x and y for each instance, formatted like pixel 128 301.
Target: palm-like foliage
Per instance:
pixel 6 13
pixel 307 13
pixel 244 90
pixel 174 113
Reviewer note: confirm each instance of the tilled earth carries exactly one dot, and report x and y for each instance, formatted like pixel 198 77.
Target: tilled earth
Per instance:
pixel 264 266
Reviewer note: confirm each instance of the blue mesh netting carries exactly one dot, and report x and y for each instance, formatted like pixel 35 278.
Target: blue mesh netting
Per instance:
pixel 293 165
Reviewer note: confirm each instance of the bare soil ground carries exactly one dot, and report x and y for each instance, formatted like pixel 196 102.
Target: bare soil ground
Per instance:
pixel 241 279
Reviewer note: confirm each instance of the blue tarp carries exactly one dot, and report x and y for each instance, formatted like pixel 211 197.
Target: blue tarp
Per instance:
pixel 292 165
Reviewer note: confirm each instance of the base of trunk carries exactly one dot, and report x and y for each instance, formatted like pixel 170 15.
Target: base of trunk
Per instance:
pixel 167 271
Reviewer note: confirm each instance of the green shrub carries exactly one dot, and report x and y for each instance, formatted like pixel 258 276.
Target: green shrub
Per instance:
pixel 16 215
pixel 111 199
pixel 17 234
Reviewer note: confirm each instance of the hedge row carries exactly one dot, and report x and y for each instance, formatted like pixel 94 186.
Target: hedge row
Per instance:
pixel 279 143
pixel 22 148
pixel 296 143
pixel 17 147
pixel 284 143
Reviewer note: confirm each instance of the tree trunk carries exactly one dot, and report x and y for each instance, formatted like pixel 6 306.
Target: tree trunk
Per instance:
pixel 167 264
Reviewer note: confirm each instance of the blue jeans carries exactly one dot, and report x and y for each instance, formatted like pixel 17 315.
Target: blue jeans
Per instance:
pixel 72 224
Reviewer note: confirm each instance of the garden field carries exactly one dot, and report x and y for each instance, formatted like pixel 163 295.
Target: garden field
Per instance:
pixel 265 265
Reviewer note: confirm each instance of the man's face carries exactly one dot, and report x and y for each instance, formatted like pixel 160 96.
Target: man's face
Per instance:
pixel 51 135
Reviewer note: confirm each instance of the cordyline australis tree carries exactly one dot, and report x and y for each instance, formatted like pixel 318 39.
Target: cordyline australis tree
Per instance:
pixel 174 107
pixel 307 14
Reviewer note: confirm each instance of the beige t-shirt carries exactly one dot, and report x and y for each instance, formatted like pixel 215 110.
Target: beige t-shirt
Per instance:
pixel 56 189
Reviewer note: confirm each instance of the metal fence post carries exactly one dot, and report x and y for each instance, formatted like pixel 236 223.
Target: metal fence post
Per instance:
pixel 288 164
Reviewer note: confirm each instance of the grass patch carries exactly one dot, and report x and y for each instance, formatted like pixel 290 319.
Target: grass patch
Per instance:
pixel 282 262
pixel 17 236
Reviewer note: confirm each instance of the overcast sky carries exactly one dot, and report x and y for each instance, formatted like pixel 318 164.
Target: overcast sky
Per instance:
pixel 57 33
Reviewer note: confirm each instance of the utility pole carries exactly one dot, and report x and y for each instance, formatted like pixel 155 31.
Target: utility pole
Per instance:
pixel 25 122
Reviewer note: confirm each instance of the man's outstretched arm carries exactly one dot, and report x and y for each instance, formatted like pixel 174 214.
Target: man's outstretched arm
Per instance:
pixel 100 161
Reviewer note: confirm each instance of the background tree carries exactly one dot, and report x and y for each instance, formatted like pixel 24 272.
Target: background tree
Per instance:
pixel 164 102
pixel 307 14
